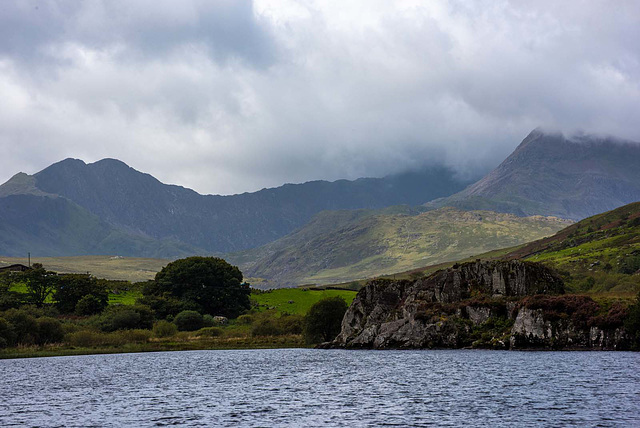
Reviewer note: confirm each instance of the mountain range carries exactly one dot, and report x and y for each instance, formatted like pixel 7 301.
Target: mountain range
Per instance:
pixel 320 231
pixel 106 207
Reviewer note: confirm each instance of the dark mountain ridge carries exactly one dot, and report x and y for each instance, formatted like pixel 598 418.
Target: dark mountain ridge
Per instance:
pixel 137 203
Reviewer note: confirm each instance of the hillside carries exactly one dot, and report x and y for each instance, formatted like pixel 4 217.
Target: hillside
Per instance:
pixel 50 225
pixel 136 204
pixel 550 174
pixel 600 253
pixel 344 246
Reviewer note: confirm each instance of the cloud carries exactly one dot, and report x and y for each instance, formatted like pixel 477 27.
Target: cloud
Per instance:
pixel 231 96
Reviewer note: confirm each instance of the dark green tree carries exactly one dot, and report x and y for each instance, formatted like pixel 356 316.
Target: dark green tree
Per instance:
pixel 323 321
pixel 40 283
pixel 71 288
pixel 8 299
pixel 209 284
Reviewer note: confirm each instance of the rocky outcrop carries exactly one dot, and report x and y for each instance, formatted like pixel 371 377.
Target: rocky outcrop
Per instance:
pixel 498 304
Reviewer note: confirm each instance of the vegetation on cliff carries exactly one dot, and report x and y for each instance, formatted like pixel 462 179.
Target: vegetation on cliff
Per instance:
pixel 496 304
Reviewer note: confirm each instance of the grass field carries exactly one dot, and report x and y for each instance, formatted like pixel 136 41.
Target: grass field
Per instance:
pixel 302 299
pixel 132 269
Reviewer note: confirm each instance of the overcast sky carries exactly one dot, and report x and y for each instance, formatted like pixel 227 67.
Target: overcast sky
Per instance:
pixel 229 96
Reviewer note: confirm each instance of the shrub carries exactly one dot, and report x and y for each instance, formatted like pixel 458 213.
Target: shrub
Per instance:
pixel 164 329
pixel 119 320
pixel 210 332
pixel 85 338
pixel 208 321
pixel 135 336
pixel 188 321
pixel 291 324
pixel 266 327
pixel 164 307
pixel 245 319
pixel 126 318
pixel 89 305
pixel 24 325
pixel 49 330
pixel 7 335
pixel 580 309
pixel 323 321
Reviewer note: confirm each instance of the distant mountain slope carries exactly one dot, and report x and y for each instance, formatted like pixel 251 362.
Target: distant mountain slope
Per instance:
pixel 49 225
pixel 341 246
pixel 138 203
pixel 549 174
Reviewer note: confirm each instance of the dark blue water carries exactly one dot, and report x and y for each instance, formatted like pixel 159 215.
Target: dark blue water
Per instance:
pixel 302 387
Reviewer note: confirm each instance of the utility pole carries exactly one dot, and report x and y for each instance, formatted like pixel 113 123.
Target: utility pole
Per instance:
pixel 29 263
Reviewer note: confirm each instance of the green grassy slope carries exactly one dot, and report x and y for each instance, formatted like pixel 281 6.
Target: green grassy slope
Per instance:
pixel 600 253
pixel 345 246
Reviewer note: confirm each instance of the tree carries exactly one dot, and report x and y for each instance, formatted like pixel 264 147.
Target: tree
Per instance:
pixel 72 288
pixel 8 299
pixel 40 283
pixel 323 321
pixel 209 284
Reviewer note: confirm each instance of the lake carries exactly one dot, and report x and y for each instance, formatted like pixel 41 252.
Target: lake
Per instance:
pixel 305 387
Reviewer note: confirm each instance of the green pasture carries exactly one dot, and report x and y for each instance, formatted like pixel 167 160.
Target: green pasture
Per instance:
pixel 296 300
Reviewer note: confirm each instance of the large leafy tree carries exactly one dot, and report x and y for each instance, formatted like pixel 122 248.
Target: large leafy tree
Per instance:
pixel 209 284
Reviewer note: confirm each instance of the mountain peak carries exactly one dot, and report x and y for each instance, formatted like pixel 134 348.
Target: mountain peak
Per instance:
pixel 21 184
pixel 550 174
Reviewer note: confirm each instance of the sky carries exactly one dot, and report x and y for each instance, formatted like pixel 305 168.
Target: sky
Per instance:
pixel 229 96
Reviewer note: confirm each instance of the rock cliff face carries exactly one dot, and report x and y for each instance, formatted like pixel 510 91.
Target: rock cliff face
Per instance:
pixel 511 304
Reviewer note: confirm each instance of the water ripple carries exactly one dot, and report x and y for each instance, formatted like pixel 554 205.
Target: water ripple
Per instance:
pixel 301 387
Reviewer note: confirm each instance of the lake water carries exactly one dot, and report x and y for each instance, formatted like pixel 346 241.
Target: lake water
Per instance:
pixel 303 387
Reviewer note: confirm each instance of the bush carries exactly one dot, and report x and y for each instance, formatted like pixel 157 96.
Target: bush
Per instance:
pixel 188 321
pixel 126 318
pixel 89 305
pixel 323 321
pixel 7 335
pixel 208 321
pixel 49 330
pixel 245 319
pixel 24 325
pixel 266 327
pixel 164 329
pixel 291 324
pixel 210 332
pixel 85 338
pixel 164 307
pixel 133 336
pixel 119 320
